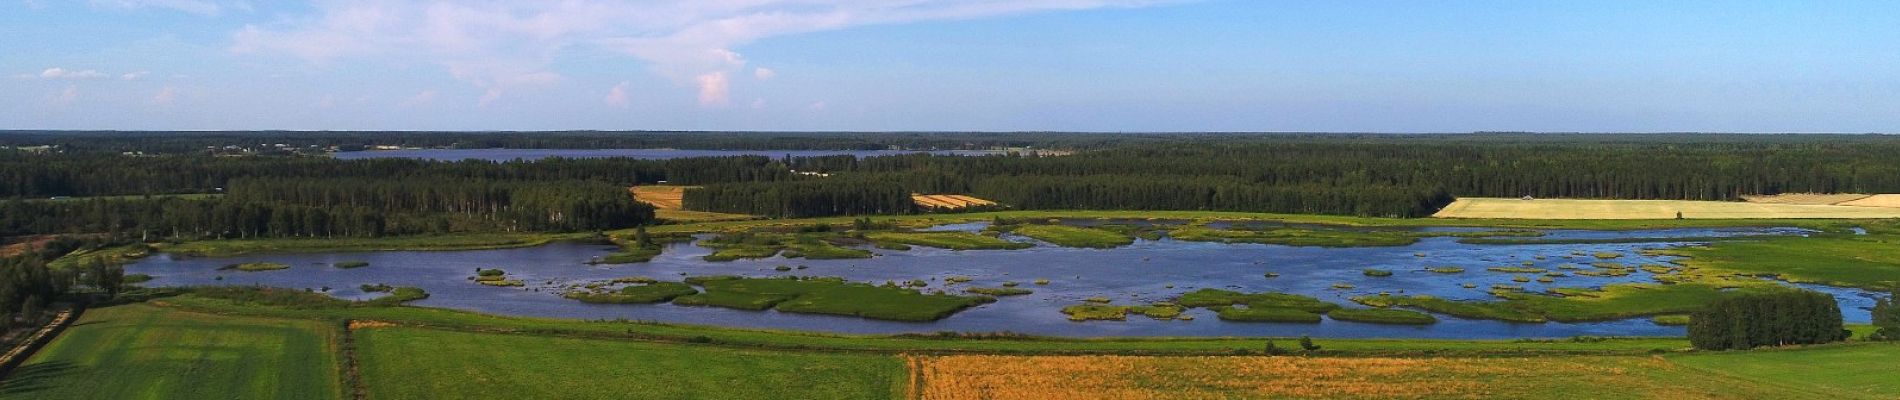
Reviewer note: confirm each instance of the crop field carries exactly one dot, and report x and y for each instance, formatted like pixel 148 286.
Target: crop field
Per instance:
pixel 411 363
pixel 1136 377
pixel 1821 199
pixel 145 352
pixel 1878 200
pixel 948 201
pixel 1501 208
pixel 667 204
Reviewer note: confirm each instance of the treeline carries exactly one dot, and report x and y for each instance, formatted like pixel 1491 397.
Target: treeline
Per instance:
pixel 159 142
pixel 339 208
pixel 807 198
pixel 1780 318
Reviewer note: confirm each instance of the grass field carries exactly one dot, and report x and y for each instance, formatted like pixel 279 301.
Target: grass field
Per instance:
pixel 144 352
pixel 1879 200
pixel 1806 198
pixel 411 363
pixel 1869 262
pixel 1650 209
pixel 1841 371
pixel 668 205
pixel 1069 236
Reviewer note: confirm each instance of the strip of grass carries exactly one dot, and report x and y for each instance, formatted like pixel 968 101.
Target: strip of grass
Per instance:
pixel 404 363
pixel 255 267
pixel 931 219
pixel 1383 316
pixel 829 296
pixel 1612 302
pixel 1295 237
pixel 947 240
pixel 1070 236
pixel 138 351
pixel 228 248
pixel 1217 298
pixel 1104 312
pixel 1502 311
pixel 350 264
pixel 649 293
pixel 631 255
pixel 1867 262
pixel 1265 314
pixel 1001 291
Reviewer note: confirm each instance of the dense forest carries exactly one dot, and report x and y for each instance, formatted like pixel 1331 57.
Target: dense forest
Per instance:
pixel 1346 174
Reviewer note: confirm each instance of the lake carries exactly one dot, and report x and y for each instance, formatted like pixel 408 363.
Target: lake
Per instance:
pixel 1148 271
pixel 648 154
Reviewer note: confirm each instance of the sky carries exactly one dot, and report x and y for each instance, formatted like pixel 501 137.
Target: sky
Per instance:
pixel 952 65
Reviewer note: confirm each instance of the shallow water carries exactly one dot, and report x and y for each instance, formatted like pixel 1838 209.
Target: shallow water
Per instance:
pixel 1140 273
pixel 648 154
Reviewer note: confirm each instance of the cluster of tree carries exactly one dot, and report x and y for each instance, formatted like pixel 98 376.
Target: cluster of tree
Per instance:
pixel 339 208
pixel 804 198
pixel 1777 318
pixel 1224 193
pixel 1887 317
pixel 27 286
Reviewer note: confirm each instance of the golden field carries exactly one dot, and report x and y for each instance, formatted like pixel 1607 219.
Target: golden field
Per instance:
pixel 1502 208
pixel 948 201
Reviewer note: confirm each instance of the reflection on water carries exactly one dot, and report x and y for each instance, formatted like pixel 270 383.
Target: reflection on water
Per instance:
pixel 1147 271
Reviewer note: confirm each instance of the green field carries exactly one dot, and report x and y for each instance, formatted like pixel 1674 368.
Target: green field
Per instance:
pixel 1069 236
pixel 1838 371
pixel 411 363
pixel 144 352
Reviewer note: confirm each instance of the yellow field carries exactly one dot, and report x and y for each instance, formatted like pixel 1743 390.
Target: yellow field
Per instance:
pixel 668 204
pixel 1649 209
pixel 663 197
pixel 1141 377
pixel 948 201
pixel 1878 200
pixel 1817 199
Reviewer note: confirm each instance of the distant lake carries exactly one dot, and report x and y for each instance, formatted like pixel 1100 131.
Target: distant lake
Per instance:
pixel 648 154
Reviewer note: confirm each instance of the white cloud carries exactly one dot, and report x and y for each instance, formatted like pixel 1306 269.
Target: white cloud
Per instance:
pixel 764 73
pixel 713 88
pixel 817 106
pixel 165 96
pixel 67 96
pixel 200 7
pixel 617 97
pixel 485 42
pixel 133 76
pixel 62 73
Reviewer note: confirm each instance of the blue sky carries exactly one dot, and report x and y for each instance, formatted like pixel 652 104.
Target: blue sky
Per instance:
pixel 995 65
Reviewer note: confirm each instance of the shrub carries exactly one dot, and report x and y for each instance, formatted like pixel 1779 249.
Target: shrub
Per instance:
pixel 1887 317
pixel 1306 342
pixel 1784 317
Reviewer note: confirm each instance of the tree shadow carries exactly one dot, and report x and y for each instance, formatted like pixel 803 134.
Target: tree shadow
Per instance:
pixel 34 377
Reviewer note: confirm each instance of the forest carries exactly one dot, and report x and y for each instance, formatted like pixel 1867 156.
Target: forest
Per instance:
pixel 1344 174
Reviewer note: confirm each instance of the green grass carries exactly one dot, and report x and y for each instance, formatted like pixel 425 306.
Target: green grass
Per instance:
pixel 1070 236
pixel 256 267
pixel 1612 302
pixel 1265 314
pixel 1383 316
pixel 736 252
pixel 1859 371
pixel 1469 309
pixel 1001 291
pixel 1104 312
pixel 350 264
pixel 947 240
pixel 1218 298
pixel 1446 270
pixel 413 363
pixel 1296 237
pixel 828 296
pixel 631 254
pixel 1517 270
pixel 931 219
pixel 1867 262
pixel 1378 272
pixel 649 293
pixel 228 248
pixel 138 351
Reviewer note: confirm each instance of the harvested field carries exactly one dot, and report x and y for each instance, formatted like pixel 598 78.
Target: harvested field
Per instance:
pixel 948 201
pixel 1500 208
pixel 1878 200
pixel 664 197
pixel 1137 377
pixel 1813 199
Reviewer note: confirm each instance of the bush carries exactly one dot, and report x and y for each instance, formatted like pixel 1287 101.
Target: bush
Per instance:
pixel 1777 318
pixel 1887 317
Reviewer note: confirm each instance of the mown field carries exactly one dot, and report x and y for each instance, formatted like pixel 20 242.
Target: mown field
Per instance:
pixel 172 351
pixel 143 352
pixel 1649 209
pixel 411 363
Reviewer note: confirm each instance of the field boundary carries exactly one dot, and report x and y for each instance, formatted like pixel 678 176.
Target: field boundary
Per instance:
pixel 351 371
pixel 1650 209
pixel 19 354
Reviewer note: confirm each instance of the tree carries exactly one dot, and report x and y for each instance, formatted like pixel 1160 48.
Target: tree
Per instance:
pixel 1306 343
pixel 1887 317
pixel 640 237
pixel 1778 318
pixel 108 277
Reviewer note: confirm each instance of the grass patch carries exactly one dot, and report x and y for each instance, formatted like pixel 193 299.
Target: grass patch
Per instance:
pixel 255 267
pixel 1296 236
pixel 947 240
pixel 1383 316
pixel 1517 270
pixel 1670 320
pixel 1070 236
pixel 1859 261
pixel 401 363
pixel 828 296
pixel 1446 270
pixel 1378 272
pixel 1831 371
pixel 1265 314
pixel 139 351
pixel 646 293
pixel 998 292
pixel 1105 312
pixel 228 248
pixel 350 264
pixel 1217 298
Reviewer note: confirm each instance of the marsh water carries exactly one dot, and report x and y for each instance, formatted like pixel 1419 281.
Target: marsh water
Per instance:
pixel 649 154
pixel 1147 271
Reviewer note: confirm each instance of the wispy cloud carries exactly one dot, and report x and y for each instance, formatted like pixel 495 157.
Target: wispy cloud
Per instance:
pixel 200 7
pixel 764 74
pixel 62 73
pixel 489 43
pixel 617 97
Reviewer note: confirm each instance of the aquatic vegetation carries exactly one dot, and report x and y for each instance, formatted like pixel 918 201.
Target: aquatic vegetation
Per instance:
pixel 256 266
pixel 1671 320
pixel 1382 316
pixel 645 293
pixel 376 288
pixel 1517 270
pixel 1296 236
pixel 1042 281
pixel 1343 285
pixel 1446 270
pixel 350 264
pixel 1002 291
pixel 1377 272
pixel 502 282
pixel 1070 236
pixel 828 296
pixel 1607 255
pixel 946 240
pixel 1265 314
pixel 956 279
pixel 1215 298
pixel 1105 312
pixel 1467 309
